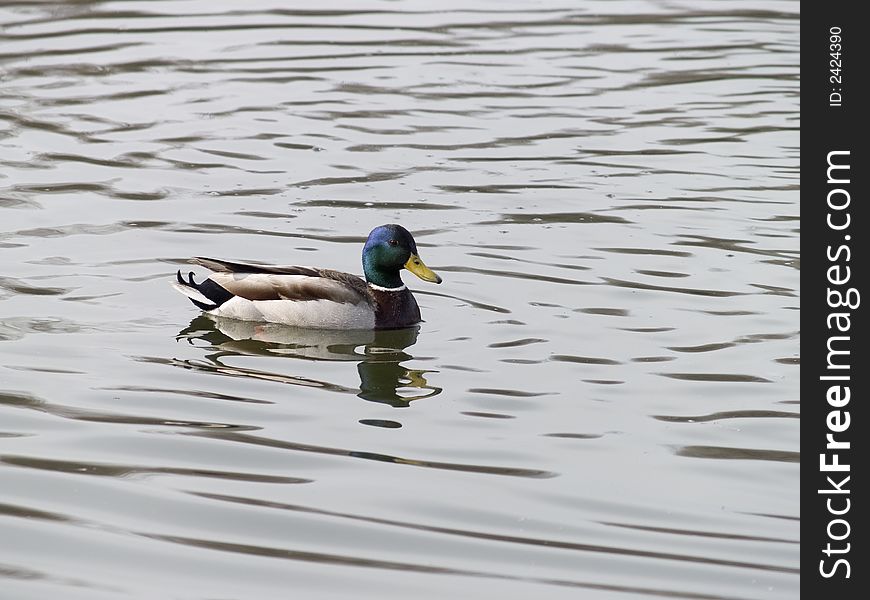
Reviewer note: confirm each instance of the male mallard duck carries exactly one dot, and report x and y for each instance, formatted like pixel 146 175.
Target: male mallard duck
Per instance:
pixel 317 298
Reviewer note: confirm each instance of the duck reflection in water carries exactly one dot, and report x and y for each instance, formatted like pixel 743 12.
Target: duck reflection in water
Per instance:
pixel 379 355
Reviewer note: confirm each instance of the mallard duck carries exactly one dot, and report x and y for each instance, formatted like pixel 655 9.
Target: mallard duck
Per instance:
pixel 317 298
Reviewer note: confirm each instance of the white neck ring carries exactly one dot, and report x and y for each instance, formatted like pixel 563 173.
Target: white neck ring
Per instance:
pixel 386 289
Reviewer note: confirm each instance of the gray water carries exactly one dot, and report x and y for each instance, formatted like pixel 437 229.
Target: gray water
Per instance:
pixel 602 401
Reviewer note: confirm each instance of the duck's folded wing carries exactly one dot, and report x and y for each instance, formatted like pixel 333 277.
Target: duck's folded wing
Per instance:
pixel 295 287
pixel 228 266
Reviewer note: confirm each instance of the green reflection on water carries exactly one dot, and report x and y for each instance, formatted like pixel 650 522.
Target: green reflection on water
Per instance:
pixel 379 355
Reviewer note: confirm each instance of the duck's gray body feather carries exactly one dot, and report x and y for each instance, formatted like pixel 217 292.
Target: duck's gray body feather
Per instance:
pixel 298 296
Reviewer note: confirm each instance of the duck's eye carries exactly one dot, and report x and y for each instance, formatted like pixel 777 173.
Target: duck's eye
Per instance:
pixel 394 242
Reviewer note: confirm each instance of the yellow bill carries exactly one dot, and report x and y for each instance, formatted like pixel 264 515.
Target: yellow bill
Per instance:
pixel 416 266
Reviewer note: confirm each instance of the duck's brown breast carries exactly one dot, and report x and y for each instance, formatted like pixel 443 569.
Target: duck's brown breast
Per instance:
pixel 394 309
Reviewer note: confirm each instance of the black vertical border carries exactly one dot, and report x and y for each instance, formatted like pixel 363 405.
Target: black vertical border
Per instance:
pixel 828 126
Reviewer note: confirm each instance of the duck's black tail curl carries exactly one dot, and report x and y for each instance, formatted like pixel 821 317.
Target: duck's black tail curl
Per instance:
pixel 207 290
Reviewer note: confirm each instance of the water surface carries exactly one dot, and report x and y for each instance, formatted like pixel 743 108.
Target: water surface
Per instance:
pixel 602 401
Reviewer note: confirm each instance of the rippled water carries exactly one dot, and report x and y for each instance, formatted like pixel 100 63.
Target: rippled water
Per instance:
pixel 602 401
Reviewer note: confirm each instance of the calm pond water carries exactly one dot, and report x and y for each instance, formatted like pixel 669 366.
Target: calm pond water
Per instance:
pixel 602 401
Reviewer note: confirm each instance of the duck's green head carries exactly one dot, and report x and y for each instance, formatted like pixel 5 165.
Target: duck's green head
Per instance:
pixel 389 249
